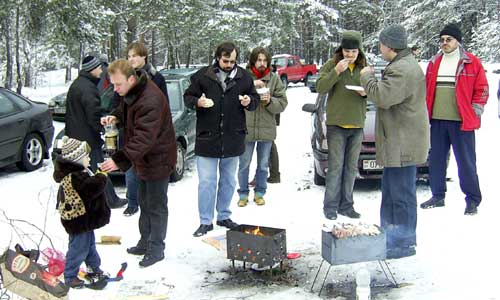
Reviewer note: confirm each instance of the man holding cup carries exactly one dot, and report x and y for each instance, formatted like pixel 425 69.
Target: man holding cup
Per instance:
pixel 261 124
pixel 220 94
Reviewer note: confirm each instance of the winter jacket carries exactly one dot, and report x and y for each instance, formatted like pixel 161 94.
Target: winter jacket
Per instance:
pixel 344 107
pixel 81 200
pixel 220 129
pixel 83 110
pixel 261 123
pixel 150 144
pixel 157 78
pixel 402 123
pixel 471 87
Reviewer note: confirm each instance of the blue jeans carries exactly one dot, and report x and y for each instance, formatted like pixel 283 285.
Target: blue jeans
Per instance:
pixel 81 248
pixel 211 192
pixel 263 152
pixel 344 145
pixel 398 210
pixel 132 183
pixel 446 133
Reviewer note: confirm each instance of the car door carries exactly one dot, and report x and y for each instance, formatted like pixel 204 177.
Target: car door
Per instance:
pixel 13 126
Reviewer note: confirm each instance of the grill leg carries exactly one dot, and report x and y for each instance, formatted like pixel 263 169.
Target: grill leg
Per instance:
pixel 324 279
pixel 392 279
pixel 232 263
pixel 244 265
pixel 317 273
pixel 281 266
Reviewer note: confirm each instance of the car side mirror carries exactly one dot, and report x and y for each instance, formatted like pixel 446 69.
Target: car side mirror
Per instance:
pixel 309 107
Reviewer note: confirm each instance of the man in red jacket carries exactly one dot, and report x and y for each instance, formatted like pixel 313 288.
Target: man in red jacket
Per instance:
pixel 457 91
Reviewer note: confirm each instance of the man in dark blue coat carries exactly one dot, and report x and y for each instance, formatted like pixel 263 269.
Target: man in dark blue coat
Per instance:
pixel 220 94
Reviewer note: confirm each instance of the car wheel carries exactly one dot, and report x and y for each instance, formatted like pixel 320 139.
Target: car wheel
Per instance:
pixel 284 79
pixel 32 152
pixel 318 180
pixel 179 165
pixel 306 79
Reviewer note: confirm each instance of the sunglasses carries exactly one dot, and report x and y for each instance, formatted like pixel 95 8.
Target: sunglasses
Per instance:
pixel 445 40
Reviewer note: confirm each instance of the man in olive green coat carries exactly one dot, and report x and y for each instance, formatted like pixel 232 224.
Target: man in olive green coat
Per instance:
pixel 261 124
pixel 345 118
pixel 402 141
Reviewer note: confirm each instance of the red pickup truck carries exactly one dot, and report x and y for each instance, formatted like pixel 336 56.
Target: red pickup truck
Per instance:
pixel 291 69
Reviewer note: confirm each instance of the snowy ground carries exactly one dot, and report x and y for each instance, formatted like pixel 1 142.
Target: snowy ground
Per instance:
pixel 457 255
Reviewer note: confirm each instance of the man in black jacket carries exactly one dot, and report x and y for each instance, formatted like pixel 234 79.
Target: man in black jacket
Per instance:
pixel 138 57
pixel 220 93
pixel 83 118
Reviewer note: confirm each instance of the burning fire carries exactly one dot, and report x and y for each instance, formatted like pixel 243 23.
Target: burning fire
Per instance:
pixel 255 231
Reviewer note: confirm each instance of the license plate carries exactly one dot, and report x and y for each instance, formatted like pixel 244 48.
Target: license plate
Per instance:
pixel 371 165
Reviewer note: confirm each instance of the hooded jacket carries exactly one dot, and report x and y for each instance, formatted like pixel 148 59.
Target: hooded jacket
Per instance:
pixel 261 123
pixel 80 197
pixel 150 144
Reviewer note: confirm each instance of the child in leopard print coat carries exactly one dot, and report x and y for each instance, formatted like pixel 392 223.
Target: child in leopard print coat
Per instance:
pixel 82 206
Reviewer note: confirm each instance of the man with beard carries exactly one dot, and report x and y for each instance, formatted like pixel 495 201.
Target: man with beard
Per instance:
pixel 261 124
pixel 220 94
pixel 138 58
pixel 150 148
pixel 457 91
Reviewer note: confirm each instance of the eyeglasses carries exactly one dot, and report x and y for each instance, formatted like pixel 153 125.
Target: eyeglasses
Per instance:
pixel 445 40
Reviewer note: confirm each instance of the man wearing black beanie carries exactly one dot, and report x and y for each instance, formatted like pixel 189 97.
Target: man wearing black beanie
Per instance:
pixel 457 91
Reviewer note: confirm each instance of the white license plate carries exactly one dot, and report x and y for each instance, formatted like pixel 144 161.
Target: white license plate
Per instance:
pixel 371 165
pixel 60 110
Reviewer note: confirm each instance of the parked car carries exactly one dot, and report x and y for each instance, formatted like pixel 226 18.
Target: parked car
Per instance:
pixel 311 83
pixel 183 118
pixel 290 68
pixel 57 106
pixel 367 165
pixel 26 131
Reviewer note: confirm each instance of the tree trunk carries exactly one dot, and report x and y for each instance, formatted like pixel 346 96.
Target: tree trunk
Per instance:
pixel 8 52
pixel 153 48
pixel 27 64
pixel 188 55
pixel 18 54
pixel 68 73
pixel 171 57
pixel 114 41
pixel 131 29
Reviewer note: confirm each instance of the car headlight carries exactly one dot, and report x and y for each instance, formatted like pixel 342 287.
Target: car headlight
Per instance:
pixel 52 103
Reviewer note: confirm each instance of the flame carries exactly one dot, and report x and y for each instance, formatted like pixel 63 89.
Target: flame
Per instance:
pixel 255 231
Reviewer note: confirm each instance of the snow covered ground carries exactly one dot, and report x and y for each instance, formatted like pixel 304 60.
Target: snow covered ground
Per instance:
pixel 457 255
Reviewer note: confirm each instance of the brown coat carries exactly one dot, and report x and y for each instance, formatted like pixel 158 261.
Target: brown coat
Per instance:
pixel 150 144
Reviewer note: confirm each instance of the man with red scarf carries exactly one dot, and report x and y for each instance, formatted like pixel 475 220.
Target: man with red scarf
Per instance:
pixel 261 125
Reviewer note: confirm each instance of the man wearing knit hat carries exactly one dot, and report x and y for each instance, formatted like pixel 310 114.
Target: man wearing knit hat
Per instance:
pixel 457 91
pixel 345 118
pixel 402 137
pixel 83 114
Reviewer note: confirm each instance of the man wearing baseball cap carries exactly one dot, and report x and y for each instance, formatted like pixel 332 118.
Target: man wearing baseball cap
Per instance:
pixel 402 137
pixel 457 91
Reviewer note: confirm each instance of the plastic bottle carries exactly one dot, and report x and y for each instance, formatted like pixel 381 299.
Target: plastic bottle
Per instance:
pixel 363 285
pixel 111 138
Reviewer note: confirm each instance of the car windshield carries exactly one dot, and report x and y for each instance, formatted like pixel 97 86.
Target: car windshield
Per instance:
pixel 279 61
pixel 174 95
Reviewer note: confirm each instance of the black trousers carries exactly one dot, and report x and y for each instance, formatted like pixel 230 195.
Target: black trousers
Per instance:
pixel 153 202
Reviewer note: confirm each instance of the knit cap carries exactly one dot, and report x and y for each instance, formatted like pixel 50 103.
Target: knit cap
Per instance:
pixel 394 36
pixel 74 149
pixel 90 62
pixel 452 30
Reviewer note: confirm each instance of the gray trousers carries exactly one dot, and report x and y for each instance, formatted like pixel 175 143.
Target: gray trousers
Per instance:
pixel 344 145
pixel 153 202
